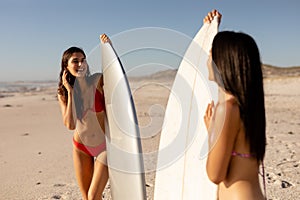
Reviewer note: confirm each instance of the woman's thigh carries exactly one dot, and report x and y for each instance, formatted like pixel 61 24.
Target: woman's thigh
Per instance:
pixel 100 177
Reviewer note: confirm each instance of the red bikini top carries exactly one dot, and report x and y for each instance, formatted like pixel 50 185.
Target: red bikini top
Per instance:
pixel 99 104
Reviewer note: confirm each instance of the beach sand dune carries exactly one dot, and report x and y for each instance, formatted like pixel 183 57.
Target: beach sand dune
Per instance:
pixel 36 149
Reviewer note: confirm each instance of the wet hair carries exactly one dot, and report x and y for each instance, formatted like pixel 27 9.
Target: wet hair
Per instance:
pixel 236 57
pixel 71 80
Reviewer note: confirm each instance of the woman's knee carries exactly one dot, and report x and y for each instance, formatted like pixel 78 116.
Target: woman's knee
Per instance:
pixel 93 195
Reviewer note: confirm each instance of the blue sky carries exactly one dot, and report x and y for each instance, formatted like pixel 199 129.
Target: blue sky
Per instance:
pixel 34 33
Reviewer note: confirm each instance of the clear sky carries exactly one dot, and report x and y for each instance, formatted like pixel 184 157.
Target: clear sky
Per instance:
pixel 34 33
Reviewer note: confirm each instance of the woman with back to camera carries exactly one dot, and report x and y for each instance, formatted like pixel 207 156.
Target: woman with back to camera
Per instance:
pixel 81 99
pixel 236 125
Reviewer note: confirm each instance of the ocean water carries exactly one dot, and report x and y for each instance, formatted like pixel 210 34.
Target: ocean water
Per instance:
pixel 27 86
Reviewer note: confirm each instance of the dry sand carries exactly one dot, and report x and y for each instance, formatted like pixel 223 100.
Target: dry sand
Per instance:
pixel 35 147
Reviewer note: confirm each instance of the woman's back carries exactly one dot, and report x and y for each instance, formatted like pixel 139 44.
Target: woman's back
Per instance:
pixel 242 180
pixel 237 136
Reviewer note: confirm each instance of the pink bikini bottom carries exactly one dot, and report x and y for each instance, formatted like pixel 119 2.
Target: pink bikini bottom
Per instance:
pixel 92 151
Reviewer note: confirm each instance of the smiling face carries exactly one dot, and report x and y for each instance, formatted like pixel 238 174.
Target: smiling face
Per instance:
pixel 77 65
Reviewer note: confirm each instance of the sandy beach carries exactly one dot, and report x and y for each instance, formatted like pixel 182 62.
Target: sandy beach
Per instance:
pixel 36 148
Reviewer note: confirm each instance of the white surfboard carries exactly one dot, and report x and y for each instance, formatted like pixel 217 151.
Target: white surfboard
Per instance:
pixel 181 165
pixel 124 150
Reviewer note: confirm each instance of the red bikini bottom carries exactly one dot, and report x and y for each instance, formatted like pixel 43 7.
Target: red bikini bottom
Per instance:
pixel 91 151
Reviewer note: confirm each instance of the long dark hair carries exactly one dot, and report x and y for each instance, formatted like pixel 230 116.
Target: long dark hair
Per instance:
pixel 71 80
pixel 236 56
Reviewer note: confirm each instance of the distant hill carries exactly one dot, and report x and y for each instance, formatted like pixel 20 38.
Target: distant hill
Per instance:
pixel 166 75
pixel 269 71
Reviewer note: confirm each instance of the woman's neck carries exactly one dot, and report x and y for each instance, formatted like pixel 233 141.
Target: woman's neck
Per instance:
pixel 224 96
pixel 83 85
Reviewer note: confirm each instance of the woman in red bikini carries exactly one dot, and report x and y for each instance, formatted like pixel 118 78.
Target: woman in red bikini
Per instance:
pixel 236 125
pixel 81 99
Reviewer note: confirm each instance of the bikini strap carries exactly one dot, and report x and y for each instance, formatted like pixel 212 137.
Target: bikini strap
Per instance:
pixel 243 155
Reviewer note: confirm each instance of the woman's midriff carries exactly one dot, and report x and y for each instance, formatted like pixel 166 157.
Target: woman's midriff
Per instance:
pixel 88 130
pixel 242 180
pixel 240 190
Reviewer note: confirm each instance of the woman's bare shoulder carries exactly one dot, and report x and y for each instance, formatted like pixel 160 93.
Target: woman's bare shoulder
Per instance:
pixel 96 78
pixel 228 108
pixel 227 117
pixel 61 98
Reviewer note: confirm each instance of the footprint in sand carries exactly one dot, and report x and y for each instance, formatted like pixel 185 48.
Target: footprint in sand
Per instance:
pixel 56 197
pixel 59 185
pixel 285 184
